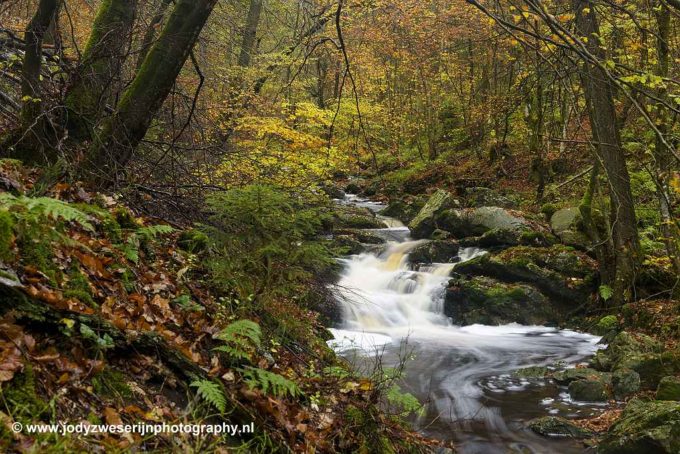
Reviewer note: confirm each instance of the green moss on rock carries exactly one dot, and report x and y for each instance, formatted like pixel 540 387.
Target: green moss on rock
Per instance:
pixel 6 236
pixel 668 389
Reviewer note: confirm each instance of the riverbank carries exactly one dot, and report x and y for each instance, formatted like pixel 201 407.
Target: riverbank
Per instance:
pixel 551 279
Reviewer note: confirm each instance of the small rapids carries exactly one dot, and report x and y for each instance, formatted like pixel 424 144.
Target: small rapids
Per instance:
pixel 462 374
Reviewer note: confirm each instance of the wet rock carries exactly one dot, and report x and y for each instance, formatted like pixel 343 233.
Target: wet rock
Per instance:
pixel 349 217
pixel 404 209
pixel 625 382
pixel 531 372
pixel 553 426
pixel 668 389
pixel 487 301
pixel 361 236
pixel 423 224
pixel 588 390
pixel 355 186
pixel 567 224
pixel 438 251
pixel 440 235
pixel 484 197
pixel 333 192
pixel 567 376
pixel 348 245
pixel 563 275
pixel 645 427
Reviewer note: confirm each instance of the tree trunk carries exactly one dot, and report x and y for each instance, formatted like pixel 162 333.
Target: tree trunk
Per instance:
pixel 30 81
pixel 104 54
pixel 122 132
pixel 599 90
pixel 150 34
pixel 662 156
pixel 250 33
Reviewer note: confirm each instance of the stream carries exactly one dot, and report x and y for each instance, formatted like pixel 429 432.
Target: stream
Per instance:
pixel 463 375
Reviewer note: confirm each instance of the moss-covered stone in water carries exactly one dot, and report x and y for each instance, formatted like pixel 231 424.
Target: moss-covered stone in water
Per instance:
pixel 588 390
pixel 6 236
pixel 552 426
pixel 668 389
pixel 423 224
pixel 531 372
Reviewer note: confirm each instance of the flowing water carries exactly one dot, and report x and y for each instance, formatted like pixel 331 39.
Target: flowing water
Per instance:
pixel 462 374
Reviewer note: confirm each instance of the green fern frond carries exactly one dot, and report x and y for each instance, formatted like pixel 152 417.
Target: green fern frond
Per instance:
pixel 212 393
pixel 153 231
pixel 270 383
pixel 48 207
pixel 241 329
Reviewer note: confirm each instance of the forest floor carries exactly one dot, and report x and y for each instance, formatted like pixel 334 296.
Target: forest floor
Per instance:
pixel 110 318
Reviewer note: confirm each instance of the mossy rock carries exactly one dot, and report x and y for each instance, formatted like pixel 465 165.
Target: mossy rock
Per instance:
pixel 485 197
pixel 567 277
pixel 423 224
pixel 606 325
pixel 488 301
pixel 567 224
pixel 347 217
pixel 625 382
pixel 567 376
pixel 531 372
pixel 439 251
pixel 652 367
pixel 553 426
pixel 626 345
pixel 668 389
pixel 588 390
pixel 644 427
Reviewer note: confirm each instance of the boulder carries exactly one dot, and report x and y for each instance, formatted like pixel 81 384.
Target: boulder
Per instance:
pixel 625 382
pixel 567 376
pixel 496 218
pixel 438 251
pixel 404 209
pixel 531 372
pixel 567 224
pixel 606 325
pixel 626 345
pixel 562 274
pixel 484 197
pixel 361 236
pixel 423 224
pixel 349 217
pixel 588 390
pixel 487 301
pixel 668 389
pixel 553 426
pixel 500 238
pixel 644 427
pixel 478 221
pixel 652 367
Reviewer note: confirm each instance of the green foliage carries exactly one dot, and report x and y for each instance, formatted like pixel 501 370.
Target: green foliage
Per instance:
pixel 212 393
pixel 6 235
pixel 270 383
pixel 111 383
pixel 406 403
pixel 30 207
pixel 606 292
pixel 193 241
pixel 140 236
pixel 241 338
pixel 265 241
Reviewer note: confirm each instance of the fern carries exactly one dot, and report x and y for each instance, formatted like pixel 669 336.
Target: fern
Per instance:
pixel 270 383
pixel 212 393
pixel 46 206
pixel 153 231
pixel 241 337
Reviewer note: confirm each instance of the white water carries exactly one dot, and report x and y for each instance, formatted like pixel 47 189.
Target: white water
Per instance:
pixel 463 374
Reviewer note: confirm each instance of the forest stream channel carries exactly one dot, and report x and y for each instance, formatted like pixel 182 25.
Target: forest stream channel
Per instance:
pixel 465 376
